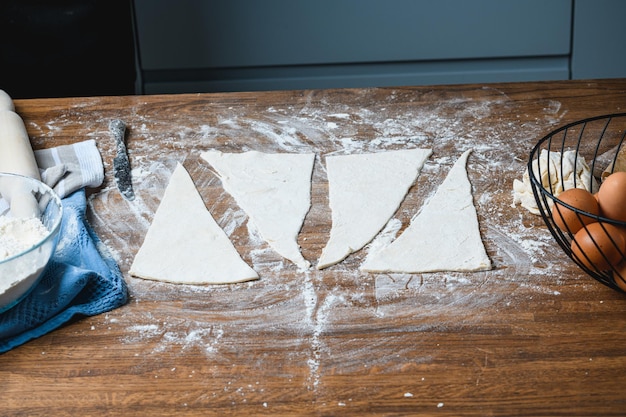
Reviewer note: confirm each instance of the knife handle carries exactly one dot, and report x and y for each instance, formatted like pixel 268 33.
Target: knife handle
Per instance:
pixel 121 164
pixel 117 127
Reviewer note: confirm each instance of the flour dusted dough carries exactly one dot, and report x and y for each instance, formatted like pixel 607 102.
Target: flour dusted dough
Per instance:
pixel 443 236
pixel 274 190
pixel 365 190
pixel 557 175
pixel 184 244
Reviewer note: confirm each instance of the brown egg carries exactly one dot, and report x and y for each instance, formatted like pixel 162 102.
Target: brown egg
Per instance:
pixel 570 220
pixel 599 246
pixel 612 196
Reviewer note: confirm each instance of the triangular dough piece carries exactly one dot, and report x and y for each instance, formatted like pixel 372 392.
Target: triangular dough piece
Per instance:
pixel 365 190
pixel 184 244
pixel 274 190
pixel 443 236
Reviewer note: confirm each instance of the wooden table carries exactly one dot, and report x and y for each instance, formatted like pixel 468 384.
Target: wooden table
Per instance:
pixel 534 336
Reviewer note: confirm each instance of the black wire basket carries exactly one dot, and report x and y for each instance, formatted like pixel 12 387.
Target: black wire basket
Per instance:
pixel 595 142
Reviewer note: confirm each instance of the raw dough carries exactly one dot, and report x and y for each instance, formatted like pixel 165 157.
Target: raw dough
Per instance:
pixel 184 244
pixel 365 190
pixel 618 162
pixel 557 180
pixel 443 236
pixel 274 190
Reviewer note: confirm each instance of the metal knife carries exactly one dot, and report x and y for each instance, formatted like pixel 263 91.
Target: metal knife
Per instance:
pixel 121 164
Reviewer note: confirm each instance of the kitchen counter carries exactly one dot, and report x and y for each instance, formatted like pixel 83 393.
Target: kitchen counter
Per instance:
pixel 533 336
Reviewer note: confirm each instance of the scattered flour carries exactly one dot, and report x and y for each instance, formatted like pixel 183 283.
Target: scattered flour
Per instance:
pixel 386 236
pixel 314 304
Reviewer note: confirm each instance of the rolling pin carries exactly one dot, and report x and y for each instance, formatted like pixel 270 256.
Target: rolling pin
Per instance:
pixel 16 157
pixel 6 103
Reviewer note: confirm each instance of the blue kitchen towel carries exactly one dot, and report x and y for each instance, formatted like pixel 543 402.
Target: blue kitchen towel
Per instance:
pixel 81 279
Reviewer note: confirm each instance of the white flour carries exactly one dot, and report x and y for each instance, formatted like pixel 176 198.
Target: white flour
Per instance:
pixel 16 276
pixel 19 234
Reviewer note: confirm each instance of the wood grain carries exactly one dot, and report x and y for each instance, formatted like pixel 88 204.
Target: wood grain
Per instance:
pixel 534 336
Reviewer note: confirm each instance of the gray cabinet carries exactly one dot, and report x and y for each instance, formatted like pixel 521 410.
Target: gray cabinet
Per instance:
pixel 599 39
pixel 234 45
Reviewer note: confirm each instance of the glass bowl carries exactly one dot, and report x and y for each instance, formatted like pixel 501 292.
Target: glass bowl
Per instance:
pixel 25 201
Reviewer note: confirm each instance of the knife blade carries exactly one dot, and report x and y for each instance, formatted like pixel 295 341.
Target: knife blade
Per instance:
pixel 121 163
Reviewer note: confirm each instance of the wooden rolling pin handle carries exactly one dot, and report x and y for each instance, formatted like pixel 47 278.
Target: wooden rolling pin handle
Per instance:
pixel 16 157
pixel 6 103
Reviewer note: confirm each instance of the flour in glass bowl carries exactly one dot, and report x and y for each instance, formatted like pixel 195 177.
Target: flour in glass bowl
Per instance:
pixel 19 234
pixel 18 274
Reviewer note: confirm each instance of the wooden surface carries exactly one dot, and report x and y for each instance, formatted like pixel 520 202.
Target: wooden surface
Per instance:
pixel 534 336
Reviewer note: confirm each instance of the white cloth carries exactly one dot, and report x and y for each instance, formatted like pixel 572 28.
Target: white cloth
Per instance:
pixel 67 168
